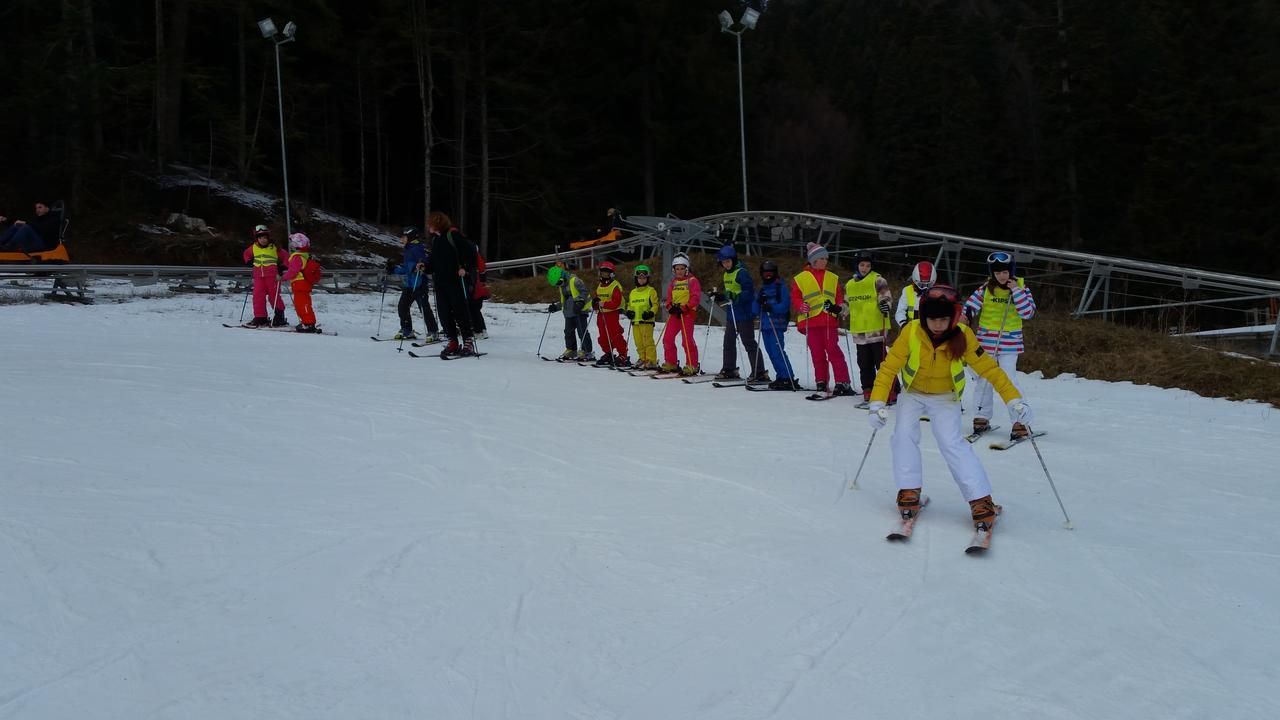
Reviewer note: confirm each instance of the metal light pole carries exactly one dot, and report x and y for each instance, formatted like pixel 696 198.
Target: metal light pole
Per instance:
pixel 749 18
pixel 268 28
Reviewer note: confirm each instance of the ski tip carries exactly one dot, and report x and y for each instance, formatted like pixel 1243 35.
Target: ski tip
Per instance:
pixel 975 550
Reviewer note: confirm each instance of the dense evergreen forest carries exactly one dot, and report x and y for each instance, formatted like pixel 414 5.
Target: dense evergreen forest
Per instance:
pixel 1146 128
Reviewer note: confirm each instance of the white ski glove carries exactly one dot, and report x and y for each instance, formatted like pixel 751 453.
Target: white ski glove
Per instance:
pixel 877 416
pixel 1020 411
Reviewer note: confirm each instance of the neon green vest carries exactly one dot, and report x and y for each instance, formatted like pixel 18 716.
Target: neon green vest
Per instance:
pixel 997 311
pixel 265 256
pixel 306 258
pixel 731 286
pixel 864 305
pixel 914 348
pixel 604 292
pixel 643 299
pixel 912 301
pixel 816 296
pixel 680 291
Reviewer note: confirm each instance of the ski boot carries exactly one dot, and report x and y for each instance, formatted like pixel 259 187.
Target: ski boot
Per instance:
pixel 1019 431
pixel 586 357
pixel 728 374
pixel 782 384
pixel 820 386
pixel 468 347
pixel 278 320
pixel 622 361
pixel 605 360
pixel 981 425
pixel 450 349
pixel 690 370
pixel 406 334
pixel 984 513
pixel 909 503
pixel 669 367
pixel 567 356
pixel 760 378
pixel 843 390
pixel 258 322
pixel 305 328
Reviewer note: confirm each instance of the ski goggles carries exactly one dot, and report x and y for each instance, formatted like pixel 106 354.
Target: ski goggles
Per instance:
pixel 1000 257
pixel 942 292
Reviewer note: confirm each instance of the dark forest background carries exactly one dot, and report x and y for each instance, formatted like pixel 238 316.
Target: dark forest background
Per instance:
pixel 1144 128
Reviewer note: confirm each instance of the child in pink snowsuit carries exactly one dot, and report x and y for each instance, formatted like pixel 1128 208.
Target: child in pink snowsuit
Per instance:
pixel 266 259
pixel 818 299
pixel 683 295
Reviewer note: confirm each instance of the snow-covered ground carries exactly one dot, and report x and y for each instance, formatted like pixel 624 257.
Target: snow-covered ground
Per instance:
pixel 199 522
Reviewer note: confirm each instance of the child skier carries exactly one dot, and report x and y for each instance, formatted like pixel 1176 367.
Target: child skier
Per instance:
pixel 739 293
pixel 575 303
pixel 819 301
pixel 1000 306
pixel 266 259
pixel 931 354
pixel 642 308
pixel 607 305
pixel 415 288
pixel 868 295
pixel 773 303
pixel 921 280
pixel 302 275
pixel 683 295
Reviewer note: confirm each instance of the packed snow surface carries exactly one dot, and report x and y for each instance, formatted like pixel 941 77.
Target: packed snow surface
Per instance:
pixel 200 522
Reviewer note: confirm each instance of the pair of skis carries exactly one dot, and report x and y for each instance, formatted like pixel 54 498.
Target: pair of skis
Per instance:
pixel 978 544
pixel 415 344
pixel 282 328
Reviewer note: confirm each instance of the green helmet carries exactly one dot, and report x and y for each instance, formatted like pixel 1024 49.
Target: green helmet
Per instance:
pixel 554 275
pixel 643 269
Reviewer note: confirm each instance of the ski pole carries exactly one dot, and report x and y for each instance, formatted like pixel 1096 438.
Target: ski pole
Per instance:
pixel 246 299
pixel 544 332
pixel 1066 519
pixel 706 337
pixel 853 484
pixel 382 303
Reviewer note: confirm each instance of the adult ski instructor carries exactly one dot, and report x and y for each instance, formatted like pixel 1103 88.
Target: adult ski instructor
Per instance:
pixel 453 267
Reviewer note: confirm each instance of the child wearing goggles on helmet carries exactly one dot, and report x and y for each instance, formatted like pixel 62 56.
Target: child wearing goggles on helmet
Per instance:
pixel 683 295
pixel 1000 305
pixel 642 310
pixel 266 259
pixel 607 304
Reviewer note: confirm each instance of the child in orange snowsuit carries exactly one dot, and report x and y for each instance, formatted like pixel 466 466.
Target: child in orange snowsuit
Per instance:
pixel 302 274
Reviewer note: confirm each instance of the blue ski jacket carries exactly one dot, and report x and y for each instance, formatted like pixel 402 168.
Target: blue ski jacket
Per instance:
pixel 773 302
pixel 415 251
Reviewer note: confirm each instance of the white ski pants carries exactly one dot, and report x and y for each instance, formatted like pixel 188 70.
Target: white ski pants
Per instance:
pixel 944 415
pixel 983 393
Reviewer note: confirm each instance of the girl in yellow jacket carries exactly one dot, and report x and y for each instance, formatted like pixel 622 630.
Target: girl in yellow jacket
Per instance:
pixel 930 354
pixel 642 308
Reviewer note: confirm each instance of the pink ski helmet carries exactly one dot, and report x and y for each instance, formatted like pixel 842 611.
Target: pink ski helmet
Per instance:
pixel 298 241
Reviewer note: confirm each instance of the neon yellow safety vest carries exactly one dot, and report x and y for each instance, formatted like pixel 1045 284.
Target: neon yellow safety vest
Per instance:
pixel 306 257
pixel 680 291
pixel 997 313
pixel 732 288
pixel 910 292
pixel 813 295
pixel 265 256
pixel 643 299
pixel 605 292
pixel 864 305
pixel 572 284
pixel 913 362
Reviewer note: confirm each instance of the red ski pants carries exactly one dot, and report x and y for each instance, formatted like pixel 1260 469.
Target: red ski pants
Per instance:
pixel 302 302
pixel 609 330
pixel 266 287
pixel 824 347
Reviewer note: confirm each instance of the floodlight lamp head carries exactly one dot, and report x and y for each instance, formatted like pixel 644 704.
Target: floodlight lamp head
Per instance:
pixel 267 27
pixel 726 21
pixel 749 18
pixel 290 29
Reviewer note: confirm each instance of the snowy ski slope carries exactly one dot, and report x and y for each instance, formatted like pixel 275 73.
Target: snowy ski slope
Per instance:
pixel 199 522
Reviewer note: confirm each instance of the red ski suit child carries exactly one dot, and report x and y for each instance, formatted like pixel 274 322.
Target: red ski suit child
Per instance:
pixel 682 298
pixel 810 290
pixel 302 275
pixel 266 275
pixel 608 306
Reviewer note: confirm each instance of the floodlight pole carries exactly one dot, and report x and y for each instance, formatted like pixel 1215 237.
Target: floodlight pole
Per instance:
pixel 284 158
pixel 742 123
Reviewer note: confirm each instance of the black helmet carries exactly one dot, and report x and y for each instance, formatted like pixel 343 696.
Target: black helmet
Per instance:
pixel 769 266
pixel 411 232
